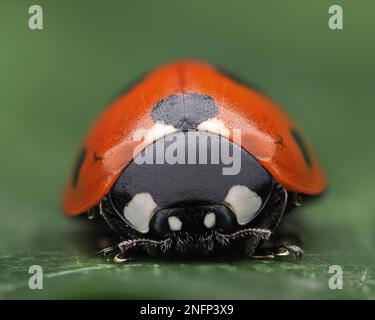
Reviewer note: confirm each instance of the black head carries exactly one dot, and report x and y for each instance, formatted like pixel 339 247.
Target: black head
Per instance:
pixel 187 199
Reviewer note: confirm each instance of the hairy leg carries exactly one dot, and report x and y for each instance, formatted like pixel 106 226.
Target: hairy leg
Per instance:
pixel 286 240
pixel 125 247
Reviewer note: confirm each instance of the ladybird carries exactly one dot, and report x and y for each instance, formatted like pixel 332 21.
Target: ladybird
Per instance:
pixel 192 162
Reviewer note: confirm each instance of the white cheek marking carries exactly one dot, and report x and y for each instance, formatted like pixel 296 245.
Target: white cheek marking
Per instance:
pixel 209 220
pixel 244 202
pixel 139 211
pixel 174 223
pixel 214 125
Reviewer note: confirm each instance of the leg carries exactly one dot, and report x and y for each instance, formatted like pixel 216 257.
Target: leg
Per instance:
pixel 284 250
pixel 285 241
pixel 146 244
pixel 242 243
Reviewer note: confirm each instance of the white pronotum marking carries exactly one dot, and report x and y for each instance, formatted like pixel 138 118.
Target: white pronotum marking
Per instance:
pixel 209 220
pixel 175 223
pixel 244 202
pixel 214 125
pixel 158 130
pixel 139 211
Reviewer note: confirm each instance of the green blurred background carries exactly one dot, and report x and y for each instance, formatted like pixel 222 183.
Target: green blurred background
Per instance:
pixel 55 81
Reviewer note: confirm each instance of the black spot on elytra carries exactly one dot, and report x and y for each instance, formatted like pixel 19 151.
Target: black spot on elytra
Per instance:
pixel 185 111
pixel 279 140
pixel 302 145
pixel 77 166
pixel 97 157
pixel 240 80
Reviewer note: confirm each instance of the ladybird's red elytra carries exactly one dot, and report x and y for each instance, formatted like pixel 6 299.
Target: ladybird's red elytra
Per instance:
pixel 201 93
